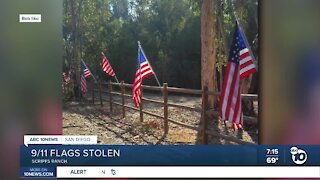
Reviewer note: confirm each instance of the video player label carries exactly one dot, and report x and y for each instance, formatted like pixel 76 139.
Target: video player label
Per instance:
pixel 30 18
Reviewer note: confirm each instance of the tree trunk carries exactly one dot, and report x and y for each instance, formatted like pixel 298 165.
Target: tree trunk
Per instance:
pixel 224 46
pixel 75 64
pixel 208 52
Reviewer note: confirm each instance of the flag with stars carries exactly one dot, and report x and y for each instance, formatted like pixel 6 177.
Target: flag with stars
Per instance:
pixel 240 65
pixel 144 70
pixel 85 69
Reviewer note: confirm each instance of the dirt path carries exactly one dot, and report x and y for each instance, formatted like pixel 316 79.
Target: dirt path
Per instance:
pixel 89 119
pixel 92 120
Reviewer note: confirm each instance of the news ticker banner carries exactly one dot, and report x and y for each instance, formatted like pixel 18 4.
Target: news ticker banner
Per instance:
pixel 80 156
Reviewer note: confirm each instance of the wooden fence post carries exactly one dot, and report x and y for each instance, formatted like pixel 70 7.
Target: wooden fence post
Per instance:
pixel 93 93
pixel 141 105
pixel 110 95
pixel 165 108
pixel 100 94
pixel 204 114
pixel 123 99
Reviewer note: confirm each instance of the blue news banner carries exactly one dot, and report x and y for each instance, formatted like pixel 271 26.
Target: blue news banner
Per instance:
pixel 42 160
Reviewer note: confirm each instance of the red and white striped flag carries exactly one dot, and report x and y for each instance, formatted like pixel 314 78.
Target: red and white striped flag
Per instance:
pixel 143 71
pixel 247 65
pixel 83 84
pixel 85 69
pixel 240 65
pixel 106 67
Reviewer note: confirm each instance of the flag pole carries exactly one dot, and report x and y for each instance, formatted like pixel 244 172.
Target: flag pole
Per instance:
pixel 155 75
pixel 89 70
pixel 141 92
pixel 115 76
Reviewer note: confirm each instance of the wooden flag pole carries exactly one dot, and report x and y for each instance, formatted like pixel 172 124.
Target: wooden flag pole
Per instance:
pixel 115 76
pixel 155 75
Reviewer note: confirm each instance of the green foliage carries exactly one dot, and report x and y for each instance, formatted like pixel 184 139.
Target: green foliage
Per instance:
pixel 169 31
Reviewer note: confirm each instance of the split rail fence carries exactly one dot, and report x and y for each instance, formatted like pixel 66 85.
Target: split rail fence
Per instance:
pixel 204 110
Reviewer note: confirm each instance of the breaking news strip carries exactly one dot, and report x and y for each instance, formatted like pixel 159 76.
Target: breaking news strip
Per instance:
pixel 82 157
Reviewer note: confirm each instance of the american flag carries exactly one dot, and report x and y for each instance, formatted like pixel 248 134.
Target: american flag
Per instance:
pixel 106 67
pixel 86 71
pixel 143 71
pixel 240 65
pixel 83 84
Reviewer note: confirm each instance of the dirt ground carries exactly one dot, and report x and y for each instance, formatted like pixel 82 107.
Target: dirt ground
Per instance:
pixel 91 119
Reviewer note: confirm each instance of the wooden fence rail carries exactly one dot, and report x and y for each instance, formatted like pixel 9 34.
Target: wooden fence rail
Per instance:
pixel 183 90
pixel 204 110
